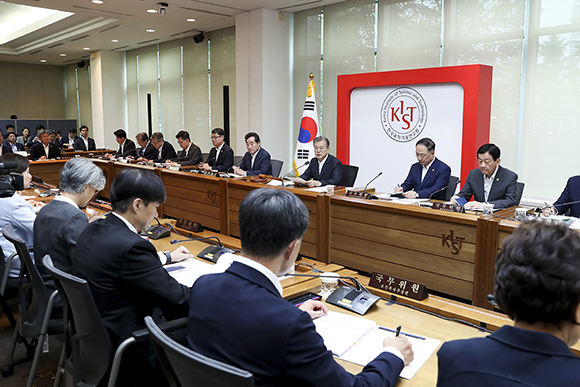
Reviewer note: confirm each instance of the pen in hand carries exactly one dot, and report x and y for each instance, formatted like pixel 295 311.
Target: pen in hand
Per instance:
pixel 398 331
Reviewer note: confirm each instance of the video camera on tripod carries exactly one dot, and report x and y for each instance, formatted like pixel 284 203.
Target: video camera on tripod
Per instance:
pixel 10 182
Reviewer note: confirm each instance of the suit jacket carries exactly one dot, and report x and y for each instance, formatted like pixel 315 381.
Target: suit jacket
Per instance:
pixel 19 146
pixel 224 162
pixel 167 152
pixel 37 151
pixel 239 318
pixel 503 189
pixel 508 357
pixel 436 179
pixel 192 158
pixel 6 148
pixel 125 277
pixel 149 152
pixel 262 163
pixel 330 174
pixel 571 193
pixel 56 231
pixel 65 141
pixel 80 144
pixel 128 150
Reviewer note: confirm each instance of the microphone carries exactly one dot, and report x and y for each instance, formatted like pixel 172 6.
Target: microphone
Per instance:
pixel 374 178
pixel 359 286
pixel 8 165
pixel 219 243
pixel 442 189
pixel 491 299
pixel 561 204
pixel 295 169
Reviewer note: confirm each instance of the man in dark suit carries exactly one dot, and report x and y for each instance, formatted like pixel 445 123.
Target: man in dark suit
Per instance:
pixel 69 142
pixel 429 175
pixel 163 149
pixel 15 146
pixel 84 142
pixel 4 147
pixel 44 149
pixel 146 150
pixel 239 317
pixel 190 153
pixel 324 169
pixel 563 204
pixel 491 183
pixel 126 146
pixel 221 156
pixel 256 161
pixel 123 270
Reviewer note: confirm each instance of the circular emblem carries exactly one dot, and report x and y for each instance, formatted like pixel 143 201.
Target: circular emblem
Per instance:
pixel 404 114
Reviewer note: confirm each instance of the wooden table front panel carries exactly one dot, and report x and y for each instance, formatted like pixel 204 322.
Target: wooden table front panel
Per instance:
pixel 47 170
pixel 409 242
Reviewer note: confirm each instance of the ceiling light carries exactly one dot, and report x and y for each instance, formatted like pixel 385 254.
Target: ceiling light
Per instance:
pixel 43 60
pixel 191 20
pixel 86 48
pixel 62 54
pixel 149 30
pixel 114 40
pixel 152 10
pixel 97 1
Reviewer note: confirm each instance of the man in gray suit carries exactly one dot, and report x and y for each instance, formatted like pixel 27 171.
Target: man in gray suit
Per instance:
pixel 190 153
pixel 491 183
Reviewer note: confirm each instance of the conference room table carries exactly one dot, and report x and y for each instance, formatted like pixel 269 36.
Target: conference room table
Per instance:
pixel 451 253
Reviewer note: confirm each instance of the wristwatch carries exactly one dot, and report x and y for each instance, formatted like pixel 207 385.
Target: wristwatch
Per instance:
pixel 168 255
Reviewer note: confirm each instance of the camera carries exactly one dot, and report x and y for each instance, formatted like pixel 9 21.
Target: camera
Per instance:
pixel 10 183
pixel 162 7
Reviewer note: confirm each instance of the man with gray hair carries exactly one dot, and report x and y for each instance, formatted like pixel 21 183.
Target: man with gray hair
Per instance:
pixel 59 223
pixel 164 150
pixel 44 149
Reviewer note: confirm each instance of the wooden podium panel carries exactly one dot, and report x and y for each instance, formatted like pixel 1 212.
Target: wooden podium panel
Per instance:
pixel 47 170
pixel 238 189
pixel 436 248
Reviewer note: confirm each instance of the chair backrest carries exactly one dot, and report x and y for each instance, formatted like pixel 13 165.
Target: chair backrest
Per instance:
pixel 90 348
pixel 519 190
pixel 450 191
pixel 238 160
pixel 276 167
pixel 349 173
pixel 32 293
pixel 185 368
pixel 204 156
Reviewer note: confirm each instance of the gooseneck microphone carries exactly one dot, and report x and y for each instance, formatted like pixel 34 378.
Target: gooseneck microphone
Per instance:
pixel 374 178
pixel 359 286
pixel 442 189
pixel 297 168
pixel 560 204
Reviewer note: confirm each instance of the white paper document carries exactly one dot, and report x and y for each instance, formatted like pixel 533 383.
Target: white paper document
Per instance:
pixel 188 271
pixel 359 340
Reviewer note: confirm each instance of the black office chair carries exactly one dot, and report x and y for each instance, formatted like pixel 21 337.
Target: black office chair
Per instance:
pixel 519 191
pixel 6 282
pixel 34 307
pixel 276 167
pixel 238 160
pixel 186 368
pixel 349 173
pixel 204 157
pixel 450 191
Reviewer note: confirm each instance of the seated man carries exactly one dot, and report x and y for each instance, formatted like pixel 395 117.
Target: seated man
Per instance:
pixel 221 156
pixel 491 183
pixel 426 177
pixel 5 148
pixel 84 142
pixel 324 169
pixel 256 161
pixel 163 149
pixel 126 146
pixel 239 317
pixel 15 146
pixel 537 283
pixel 44 149
pixel 69 142
pixel 568 200
pixel 147 150
pixel 190 153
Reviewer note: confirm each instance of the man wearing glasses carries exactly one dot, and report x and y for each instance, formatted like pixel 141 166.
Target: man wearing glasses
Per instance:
pixel 428 176
pixel 221 156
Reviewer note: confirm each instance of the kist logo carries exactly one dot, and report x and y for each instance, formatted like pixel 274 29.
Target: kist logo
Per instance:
pixel 404 114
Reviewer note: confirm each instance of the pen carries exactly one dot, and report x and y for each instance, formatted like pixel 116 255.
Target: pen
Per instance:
pixel 406 334
pixel 398 331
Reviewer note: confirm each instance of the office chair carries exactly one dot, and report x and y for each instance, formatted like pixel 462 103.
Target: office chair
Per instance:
pixel 348 177
pixel 276 167
pixel 34 307
pixel 519 190
pixel 186 368
pixel 450 191
pixel 238 160
pixel 11 283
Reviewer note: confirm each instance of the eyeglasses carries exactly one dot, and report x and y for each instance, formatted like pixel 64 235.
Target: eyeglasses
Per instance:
pixel 421 155
pixel 215 137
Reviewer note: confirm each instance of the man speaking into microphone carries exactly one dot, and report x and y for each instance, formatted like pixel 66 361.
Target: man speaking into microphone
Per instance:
pixel 239 317
pixel 428 176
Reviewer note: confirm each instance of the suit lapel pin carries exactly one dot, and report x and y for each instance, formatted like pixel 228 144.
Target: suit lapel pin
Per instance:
pixel 497 179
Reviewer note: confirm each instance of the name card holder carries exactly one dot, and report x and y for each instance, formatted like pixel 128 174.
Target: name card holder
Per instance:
pixel 448 207
pixel 358 194
pixel 399 286
pixel 189 225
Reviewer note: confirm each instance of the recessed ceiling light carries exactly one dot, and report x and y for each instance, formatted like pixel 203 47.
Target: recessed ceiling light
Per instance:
pixel 62 54
pixel 97 1
pixel 114 40
pixel 86 48
pixel 191 20
pixel 43 60
pixel 150 30
pixel 152 10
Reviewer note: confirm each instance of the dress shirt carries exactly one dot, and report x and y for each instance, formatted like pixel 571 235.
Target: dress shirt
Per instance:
pixel 86 141
pixel 262 269
pixel 122 147
pixel 321 164
pixel 187 150
pixel 65 199
pixel 487 183
pixel 254 158
pixel 217 152
pixel 426 169
pixel 14 148
pixel 46 149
